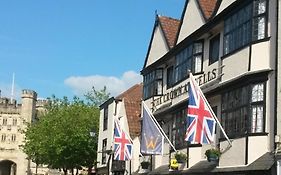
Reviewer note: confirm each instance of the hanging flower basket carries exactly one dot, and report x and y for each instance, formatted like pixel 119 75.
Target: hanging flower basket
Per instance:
pixel 181 157
pixel 213 154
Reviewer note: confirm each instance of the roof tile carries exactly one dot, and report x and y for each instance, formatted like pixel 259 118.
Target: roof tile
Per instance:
pixel 208 7
pixel 132 100
pixel 170 28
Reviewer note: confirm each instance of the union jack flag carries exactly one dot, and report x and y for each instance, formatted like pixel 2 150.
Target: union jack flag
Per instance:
pixel 200 120
pixel 122 144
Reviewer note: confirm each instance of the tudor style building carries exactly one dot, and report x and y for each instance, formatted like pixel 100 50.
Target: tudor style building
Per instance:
pixel 127 108
pixel 232 48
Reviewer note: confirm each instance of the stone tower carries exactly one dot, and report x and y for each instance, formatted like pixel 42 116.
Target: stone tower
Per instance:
pixel 28 109
pixel 13 118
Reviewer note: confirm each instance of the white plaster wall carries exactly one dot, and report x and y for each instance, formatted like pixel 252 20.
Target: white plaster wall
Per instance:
pixel 236 64
pixel 270 110
pixel 136 153
pixel 235 155
pixel 192 20
pixel 257 147
pixel 260 58
pixel 158 47
pixel 195 155
pixel 224 4
pixel 105 134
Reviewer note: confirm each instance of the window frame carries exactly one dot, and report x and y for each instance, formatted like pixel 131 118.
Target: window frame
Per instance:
pixel 105 117
pixel 170 77
pixel 229 113
pixel 104 146
pixel 232 31
pixel 179 126
pixel 153 85
pixel 186 60
pixel 212 41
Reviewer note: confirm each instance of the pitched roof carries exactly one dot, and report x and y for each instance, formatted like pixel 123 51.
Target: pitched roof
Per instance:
pixel 132 101
pixel 170 27
pixel 207 7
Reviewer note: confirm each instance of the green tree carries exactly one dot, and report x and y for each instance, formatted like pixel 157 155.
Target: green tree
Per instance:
pixel 61 138
pixel 95 97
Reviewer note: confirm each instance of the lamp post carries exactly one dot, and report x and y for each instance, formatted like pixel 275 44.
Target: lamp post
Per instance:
pixel 93 135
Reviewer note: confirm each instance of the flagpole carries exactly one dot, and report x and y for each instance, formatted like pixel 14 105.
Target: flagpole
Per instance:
pixel 159 127
pixel 211 110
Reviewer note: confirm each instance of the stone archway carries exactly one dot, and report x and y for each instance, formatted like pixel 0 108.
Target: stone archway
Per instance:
pixel 8 167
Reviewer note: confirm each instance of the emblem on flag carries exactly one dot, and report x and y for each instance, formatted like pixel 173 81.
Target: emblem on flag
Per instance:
pixel 122 144
pixel 200 120
pixel 152 139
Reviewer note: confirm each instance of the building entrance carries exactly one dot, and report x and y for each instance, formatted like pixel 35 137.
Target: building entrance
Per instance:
pixel 8 167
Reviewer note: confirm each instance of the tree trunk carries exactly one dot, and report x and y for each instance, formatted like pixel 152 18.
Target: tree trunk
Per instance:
pixel 90 170
pixel 77 171
pixel 64 171
pixel 36 168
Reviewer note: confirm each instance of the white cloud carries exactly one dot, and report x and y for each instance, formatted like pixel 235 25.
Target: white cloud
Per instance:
pixel 115 85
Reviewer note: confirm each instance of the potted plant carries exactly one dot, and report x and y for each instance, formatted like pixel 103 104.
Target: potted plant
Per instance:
pixel 181 157
pixel 213 154
pixel 145 164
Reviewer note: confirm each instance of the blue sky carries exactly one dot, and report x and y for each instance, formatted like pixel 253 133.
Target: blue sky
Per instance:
pixel 64 47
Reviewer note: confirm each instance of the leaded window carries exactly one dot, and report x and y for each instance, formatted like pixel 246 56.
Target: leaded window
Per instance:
pixel 153 83
pixel 179 128
pixel 246 25
pixel 257 108
pixel 214 49
pixel 189 59
pixel 243 110
pixel 170 76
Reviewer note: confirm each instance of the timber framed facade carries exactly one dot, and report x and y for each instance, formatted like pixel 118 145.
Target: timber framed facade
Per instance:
pixel 231 47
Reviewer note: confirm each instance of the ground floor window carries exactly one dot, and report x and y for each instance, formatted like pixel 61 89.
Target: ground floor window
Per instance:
pixel 179 128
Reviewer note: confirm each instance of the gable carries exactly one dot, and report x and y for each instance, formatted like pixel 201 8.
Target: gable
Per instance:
pixel 224 4
pixel 158 46
pixel 207 7
pixel 192 19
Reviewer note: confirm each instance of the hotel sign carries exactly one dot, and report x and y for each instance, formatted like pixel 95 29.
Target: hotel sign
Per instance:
pixel 183 89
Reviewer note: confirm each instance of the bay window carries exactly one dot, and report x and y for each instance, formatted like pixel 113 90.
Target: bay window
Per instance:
pixel 190 58
pixel 243 110
pixel 246 25
pixel 153 83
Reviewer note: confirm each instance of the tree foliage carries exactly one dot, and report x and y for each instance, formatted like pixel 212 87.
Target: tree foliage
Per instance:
pixel 95 97
pixel 61 138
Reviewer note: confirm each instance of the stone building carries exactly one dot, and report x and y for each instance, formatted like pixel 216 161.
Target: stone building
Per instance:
pixel 13 118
